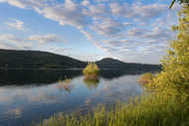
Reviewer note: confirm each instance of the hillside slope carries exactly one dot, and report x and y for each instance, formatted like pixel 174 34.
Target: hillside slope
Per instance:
pixel 36 60
pixel 13 59
pixel 113 64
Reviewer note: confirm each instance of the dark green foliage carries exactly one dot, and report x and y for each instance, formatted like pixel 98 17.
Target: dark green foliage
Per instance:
pixel 11 59
pixel 113 64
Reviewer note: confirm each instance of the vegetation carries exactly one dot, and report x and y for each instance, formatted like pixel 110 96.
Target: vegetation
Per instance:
pixel 168 103
pixel 35 60
pixel 148 111
pixel 180 1
pixel 13 59
pixel 146 78
pixel 91 70
pixel 174 79
pixel 91 75
pixel 113 64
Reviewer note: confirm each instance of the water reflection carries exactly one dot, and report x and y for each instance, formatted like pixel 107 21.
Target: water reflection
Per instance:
pixel 65 85
pixel 91 83
pixel 44 77
pixel 26 99
pixel 35 77
pixel 16 112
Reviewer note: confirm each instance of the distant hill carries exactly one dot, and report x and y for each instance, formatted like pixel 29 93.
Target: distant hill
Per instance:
pixel 113 64
pixel 13 59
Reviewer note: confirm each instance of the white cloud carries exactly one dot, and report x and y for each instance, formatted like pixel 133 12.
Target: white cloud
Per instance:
pixel 108 27
pixel 138 11
pixel 25 3
pixel 10 41
pixel 99 9
pixel 16 24
pixel 156 33
pixel 45 38
pixel 85 2
pixel 67 14
pixel 10 37
pixel 102 0
pixel 130 29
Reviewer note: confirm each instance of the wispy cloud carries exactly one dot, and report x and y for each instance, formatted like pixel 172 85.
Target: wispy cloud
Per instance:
pixel 45 38
pixel 11 41
pixel 121 29
pixel 16 24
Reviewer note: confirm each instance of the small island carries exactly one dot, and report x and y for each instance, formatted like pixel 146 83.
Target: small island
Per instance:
pixel 91 71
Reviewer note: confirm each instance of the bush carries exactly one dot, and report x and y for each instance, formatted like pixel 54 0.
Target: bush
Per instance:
pixel 146 78
pixel 91 69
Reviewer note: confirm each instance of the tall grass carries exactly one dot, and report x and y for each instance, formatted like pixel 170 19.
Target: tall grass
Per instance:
pixel 146 111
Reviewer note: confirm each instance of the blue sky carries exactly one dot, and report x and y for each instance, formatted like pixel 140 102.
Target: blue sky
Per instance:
pixel 129 30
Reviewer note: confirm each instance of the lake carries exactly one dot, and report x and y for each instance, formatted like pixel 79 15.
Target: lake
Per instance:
pixel 27 96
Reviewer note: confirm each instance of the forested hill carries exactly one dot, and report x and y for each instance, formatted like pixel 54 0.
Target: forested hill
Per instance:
pixel 109 63
pixel 13 59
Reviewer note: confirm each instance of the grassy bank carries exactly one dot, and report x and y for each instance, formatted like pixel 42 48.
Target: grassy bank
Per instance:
pixel 149 111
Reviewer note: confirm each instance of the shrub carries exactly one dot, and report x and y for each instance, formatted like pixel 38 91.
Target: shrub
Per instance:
pixel 91 69
pixel 146 78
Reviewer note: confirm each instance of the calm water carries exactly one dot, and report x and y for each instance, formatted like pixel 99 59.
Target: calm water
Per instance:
pixel 27 96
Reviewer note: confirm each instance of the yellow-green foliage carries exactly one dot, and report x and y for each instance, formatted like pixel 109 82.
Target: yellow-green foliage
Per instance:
pixel 174 79
pixel 91 69
pixel 146 78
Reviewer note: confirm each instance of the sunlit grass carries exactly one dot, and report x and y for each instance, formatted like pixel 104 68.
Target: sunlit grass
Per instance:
pixel 148 111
